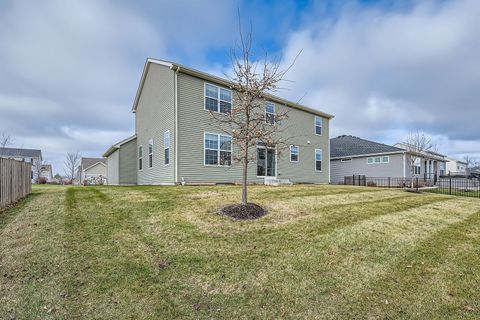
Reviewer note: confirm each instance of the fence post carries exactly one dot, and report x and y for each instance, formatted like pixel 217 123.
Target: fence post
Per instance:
pixel 417 183
pixel 389 182
pixel 450 186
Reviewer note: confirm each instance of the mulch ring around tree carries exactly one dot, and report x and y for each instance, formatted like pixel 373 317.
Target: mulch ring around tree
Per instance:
pixel 243 212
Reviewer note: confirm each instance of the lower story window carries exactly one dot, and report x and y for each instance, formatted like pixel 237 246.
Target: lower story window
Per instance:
pixel 140 158
pixel 318 159
pixel 294 152
pixel 218 149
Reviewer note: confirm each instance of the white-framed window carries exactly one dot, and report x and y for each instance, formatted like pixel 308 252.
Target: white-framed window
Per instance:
pixel 270 113
pixel 418 167
pixel 346 160
pixel 150 153
pixel 318 159
pixel 140 157
pixel 378 160
pixel 294 153
pixel 318 125
pixel 217 149
pixel 217 99
pixel 166 147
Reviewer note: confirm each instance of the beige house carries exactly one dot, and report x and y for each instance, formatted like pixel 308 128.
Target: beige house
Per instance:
pixel 121 162
pixel 92 171
pixel 177 140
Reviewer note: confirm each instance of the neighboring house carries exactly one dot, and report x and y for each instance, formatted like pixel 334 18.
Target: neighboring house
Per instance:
pixel 355 156
pixel 92 170
pixel 46 172
pixel 33 156
pixel 431 165
pixel 177 140
pixel 122 163
pixel 455 166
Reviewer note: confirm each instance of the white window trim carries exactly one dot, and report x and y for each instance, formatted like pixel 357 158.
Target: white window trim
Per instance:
pixel 165 147
pixel 150 142
pixel 274 113
pixel 138 158
pixel 218 150
pixel 276 161
pixel 315 126
pixel 315 160
pixel 381 160
pixel 298 153
pixel 218 97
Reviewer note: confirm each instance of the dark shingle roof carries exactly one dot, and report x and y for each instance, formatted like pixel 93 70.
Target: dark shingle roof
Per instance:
pixel 347 146
pixel 88 162
pixel 20 153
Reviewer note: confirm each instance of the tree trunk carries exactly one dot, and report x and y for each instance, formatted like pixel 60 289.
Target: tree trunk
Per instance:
pixel 244 176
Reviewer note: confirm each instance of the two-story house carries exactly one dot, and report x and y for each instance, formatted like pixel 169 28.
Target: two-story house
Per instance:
pixel 177 142
pixel 33 156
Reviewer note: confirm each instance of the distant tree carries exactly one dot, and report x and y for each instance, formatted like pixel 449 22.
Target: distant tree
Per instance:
pixel 417 144
pixel 6 140
pixel 71 164
pixel 57 176
pixel 37 169
pixel 471 163
pixel 246 119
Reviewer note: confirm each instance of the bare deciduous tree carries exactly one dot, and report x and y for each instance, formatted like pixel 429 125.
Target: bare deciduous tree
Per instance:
pixel 37 169
pixel 71 164
pixel 246 119
pixel 470 163
pixel 417 144
pixel 6 140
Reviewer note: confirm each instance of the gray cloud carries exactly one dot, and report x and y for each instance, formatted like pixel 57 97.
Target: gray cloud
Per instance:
pixel 69 70
pixel 385 73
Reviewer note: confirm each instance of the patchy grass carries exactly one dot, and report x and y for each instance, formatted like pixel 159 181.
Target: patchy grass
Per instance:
pixel 333 252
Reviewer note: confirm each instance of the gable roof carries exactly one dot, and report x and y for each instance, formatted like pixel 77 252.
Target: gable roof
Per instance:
pixel 455 160
pixel 117 145
pixel 20 153
pixel 349 146
pixel 218 80
pixel 46 167
pixel 428 154
pixel 89 162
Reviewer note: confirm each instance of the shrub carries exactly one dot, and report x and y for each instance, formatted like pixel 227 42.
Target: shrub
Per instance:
pixel 42 180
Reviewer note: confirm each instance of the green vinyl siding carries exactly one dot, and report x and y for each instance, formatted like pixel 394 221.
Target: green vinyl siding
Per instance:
pixel 128 162
pixel 194 121
pixel 154 115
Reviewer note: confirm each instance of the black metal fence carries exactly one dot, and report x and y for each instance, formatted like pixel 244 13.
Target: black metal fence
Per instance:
pixel 469 187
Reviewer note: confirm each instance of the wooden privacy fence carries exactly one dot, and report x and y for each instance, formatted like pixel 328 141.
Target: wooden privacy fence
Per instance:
pixel 15 181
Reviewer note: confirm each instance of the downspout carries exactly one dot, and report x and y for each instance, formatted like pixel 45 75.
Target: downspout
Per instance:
pixel 328 154
pixel 175 127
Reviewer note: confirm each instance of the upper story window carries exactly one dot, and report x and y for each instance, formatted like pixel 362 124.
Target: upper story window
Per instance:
pixel 166 146
pixel 217 149
pixel 318 159
pixel 294 153
pixel 270 113
pixel 140 158
pixel 150 153
pixel 318 125
pixel 217 99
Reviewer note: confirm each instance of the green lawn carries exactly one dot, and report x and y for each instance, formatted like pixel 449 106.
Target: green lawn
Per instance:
pixel 332 252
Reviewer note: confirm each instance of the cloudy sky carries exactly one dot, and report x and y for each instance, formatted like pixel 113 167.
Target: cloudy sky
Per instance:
pixel 69 70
